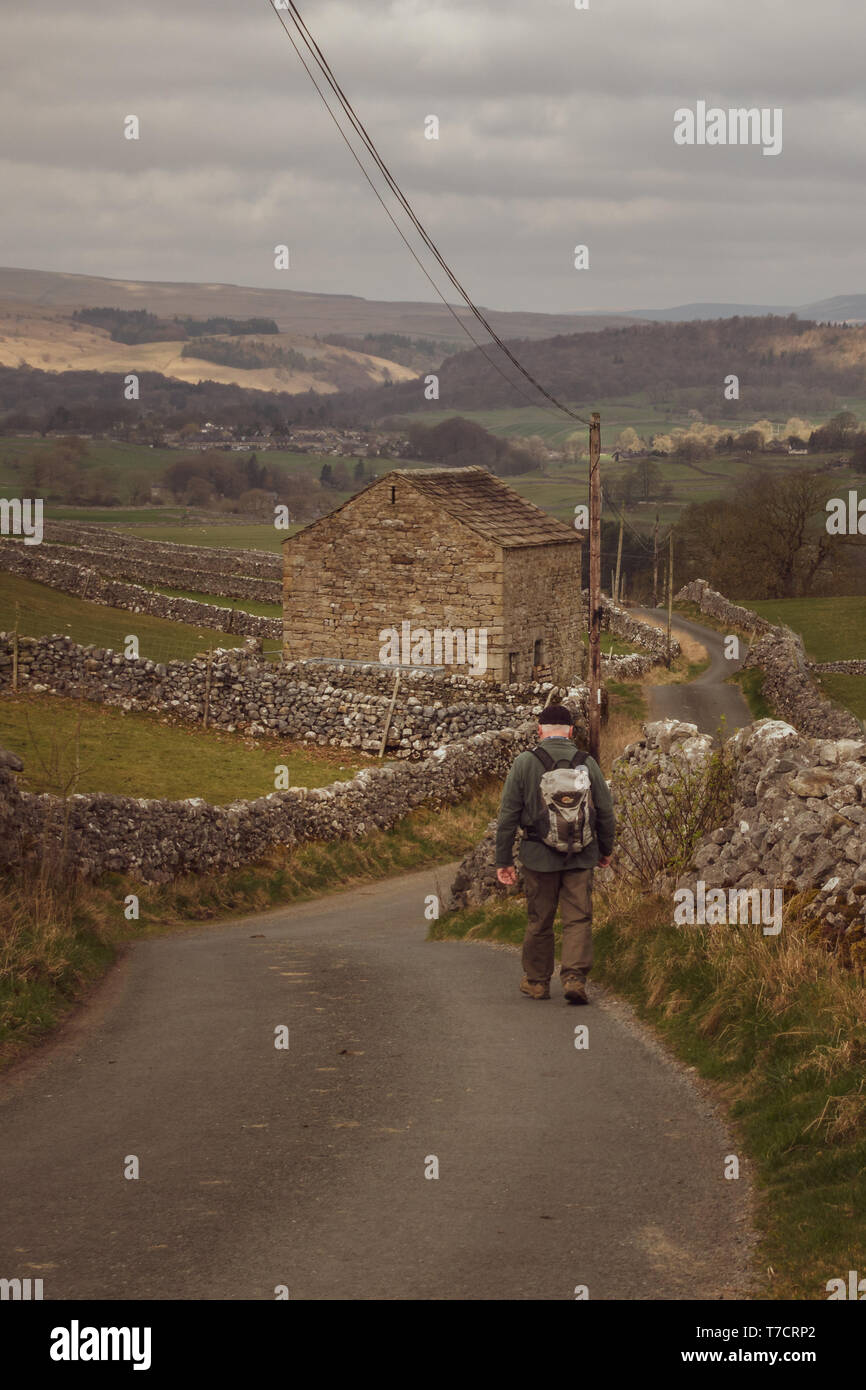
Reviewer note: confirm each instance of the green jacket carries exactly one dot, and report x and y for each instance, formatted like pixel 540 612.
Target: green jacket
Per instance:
pixel 522 805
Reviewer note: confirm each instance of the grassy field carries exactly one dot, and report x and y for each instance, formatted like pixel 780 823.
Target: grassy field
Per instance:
pixel 44 612
pixel 76 745
pixel 116 516
pixel 617 413
pixel 247 605
pixel 849 691
pixel 132 463
pixel 16 452
pixel 217 536
pixel 832 629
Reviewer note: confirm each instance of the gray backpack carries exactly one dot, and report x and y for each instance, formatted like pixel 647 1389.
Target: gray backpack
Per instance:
pixel 567 821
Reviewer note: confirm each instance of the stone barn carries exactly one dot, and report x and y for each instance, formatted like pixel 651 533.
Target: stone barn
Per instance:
pixel 416 567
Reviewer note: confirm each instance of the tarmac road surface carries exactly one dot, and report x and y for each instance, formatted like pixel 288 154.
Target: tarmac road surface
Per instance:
pixel 305 1167
pixel 705 700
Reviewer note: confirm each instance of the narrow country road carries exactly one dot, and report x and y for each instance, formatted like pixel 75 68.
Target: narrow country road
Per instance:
pixel 305 1167
pixel 706 700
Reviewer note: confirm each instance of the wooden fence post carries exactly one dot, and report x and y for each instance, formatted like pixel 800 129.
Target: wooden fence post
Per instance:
pixel 389 715
pixel 207 687
pixel 15 650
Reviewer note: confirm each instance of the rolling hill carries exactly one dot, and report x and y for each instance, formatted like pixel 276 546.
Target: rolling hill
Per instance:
pixel 783 365
pixel 50 339
pixel 295 311
pixel 849 308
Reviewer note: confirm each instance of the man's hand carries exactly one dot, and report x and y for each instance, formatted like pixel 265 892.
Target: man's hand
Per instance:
pixel 508 876
pixel 604 861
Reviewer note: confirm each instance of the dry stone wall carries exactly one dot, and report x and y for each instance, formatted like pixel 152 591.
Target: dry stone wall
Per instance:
pixel 798 824
pixel 790 691
pixel 717 606
pixel 638 633
pixel 778 653
pixel 627 668
pixel 130 564
pixel 154 841
pixel 72 578
pixel 11 819
pixel 847 668
pixel 227 560
pixel 337 706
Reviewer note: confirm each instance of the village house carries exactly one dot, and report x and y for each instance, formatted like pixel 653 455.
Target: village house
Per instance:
pixel 437 550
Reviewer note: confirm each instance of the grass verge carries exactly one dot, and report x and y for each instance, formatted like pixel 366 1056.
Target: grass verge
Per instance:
pixel 776 1026
pixel 751 682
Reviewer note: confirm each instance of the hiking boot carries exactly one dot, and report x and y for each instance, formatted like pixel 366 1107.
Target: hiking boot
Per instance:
pixel 535 989
pixel 574 989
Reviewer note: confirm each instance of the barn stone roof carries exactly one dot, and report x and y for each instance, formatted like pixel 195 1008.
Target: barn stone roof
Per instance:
pixel 485 504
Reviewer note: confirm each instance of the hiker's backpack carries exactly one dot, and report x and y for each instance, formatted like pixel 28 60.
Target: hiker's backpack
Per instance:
pixel 567 821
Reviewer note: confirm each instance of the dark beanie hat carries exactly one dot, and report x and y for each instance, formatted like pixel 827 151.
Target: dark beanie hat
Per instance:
pixel 556 714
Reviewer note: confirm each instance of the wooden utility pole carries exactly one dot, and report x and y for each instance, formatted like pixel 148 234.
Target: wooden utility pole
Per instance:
pixel 615 594
pixel 594 586
pixel 656 563
pixel 670 589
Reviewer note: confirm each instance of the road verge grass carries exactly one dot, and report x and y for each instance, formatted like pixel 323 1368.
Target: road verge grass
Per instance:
pixel 751 682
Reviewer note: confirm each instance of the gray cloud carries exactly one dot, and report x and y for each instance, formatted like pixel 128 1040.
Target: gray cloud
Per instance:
pixel 556 128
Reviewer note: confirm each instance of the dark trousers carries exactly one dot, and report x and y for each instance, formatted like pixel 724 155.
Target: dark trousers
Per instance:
pixel 571 890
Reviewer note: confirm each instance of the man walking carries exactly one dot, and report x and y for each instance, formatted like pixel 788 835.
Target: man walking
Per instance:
pixel 559 797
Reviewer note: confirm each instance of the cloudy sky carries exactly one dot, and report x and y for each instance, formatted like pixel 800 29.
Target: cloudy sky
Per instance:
pixel 556 128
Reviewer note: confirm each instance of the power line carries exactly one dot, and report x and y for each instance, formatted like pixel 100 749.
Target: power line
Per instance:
pixel 626 523
pixel 324 67
pixel 460 324
pixel 513 385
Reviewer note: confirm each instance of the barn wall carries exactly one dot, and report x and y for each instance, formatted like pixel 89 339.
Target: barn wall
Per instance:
pixel 375 564
pixel 542 602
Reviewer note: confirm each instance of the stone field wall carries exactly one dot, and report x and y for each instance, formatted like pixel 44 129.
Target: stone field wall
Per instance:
pixel 261 564
pixel 334 705
pixel 152 568
pixel 717 606
pixel 778 653
pixel 154 841
pixel 72 578
pixel 797 824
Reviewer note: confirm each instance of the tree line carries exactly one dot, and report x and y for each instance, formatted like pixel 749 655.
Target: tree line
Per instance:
pixel 141 326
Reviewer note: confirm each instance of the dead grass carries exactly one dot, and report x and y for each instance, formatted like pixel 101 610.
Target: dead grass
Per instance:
pixel 692 660
pixel 620 729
